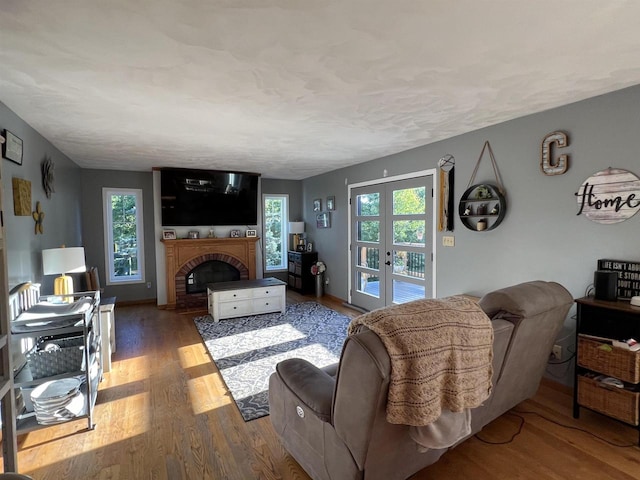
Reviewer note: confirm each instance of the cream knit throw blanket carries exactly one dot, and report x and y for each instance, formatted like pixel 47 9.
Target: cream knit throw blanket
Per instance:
pixel 441 355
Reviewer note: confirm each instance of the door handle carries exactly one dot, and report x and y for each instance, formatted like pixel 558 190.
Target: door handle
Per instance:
pixel 388 262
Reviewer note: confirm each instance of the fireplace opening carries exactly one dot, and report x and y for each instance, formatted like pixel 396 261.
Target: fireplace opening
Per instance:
pixel 212 271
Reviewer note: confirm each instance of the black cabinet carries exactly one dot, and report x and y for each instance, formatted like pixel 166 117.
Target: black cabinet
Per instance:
pixel 300 277
pixel 600 326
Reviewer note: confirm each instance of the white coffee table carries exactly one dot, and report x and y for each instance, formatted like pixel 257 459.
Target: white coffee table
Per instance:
pixel 246 297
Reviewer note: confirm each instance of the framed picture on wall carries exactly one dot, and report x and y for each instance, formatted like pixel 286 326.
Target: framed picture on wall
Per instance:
pixel 323 220
pixel 317 205
pixel 331 203
pixel 12 147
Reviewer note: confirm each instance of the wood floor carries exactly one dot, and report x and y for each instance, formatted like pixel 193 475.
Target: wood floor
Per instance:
pixel 163 413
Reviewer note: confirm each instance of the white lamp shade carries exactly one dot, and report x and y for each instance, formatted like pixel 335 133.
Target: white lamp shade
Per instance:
pixel 296 227
pixel 63 260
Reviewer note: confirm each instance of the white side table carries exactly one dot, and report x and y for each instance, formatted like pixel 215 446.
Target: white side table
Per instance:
pixel 108 331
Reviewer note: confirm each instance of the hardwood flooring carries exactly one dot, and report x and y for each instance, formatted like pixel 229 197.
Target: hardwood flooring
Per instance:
pixel 163 413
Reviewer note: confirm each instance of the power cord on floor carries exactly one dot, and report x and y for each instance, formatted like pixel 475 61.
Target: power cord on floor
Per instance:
pixel 571 427
pixel 516 413
pixel 522 421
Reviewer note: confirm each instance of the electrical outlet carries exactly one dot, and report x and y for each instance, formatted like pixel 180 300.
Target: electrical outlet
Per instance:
pixel 556 352
pixel 326 280
pixel 449 241
pixel 148 284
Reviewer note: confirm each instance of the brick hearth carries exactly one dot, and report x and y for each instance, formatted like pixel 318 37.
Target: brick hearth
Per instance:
pixel 184 255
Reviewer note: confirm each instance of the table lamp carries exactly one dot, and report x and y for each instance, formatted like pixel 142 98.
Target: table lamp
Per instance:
pixel 62 261
pixel 296 228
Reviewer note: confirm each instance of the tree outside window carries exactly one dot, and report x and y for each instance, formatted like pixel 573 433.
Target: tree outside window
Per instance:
pixel 276 213
pixel 123 235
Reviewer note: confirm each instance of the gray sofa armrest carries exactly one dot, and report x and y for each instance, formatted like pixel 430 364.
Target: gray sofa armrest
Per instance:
pixel 312 386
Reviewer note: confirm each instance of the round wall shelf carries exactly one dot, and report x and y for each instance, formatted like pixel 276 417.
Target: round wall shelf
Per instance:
pixel 482 207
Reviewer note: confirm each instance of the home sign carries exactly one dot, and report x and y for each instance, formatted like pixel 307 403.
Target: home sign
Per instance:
pixel 609 196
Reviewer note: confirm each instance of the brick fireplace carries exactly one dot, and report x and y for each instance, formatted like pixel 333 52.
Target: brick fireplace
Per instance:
pixel 183 255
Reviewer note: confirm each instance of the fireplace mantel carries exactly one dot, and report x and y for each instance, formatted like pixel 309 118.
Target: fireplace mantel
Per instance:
pixel 180 252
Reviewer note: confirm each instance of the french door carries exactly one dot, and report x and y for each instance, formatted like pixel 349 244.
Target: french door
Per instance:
pixel 391 242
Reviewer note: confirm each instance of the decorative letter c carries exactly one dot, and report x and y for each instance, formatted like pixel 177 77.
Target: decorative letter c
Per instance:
pixel 562 164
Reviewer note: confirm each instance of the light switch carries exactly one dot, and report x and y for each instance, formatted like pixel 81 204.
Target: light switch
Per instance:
pixel 449 241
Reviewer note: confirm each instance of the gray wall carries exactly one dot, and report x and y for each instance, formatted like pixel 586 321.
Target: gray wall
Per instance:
pixel 541 236
pixel 62 222
pixel 93 228
pixel 293 188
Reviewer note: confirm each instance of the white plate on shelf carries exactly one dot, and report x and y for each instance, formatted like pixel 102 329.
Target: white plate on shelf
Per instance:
pixel 72 408
pixel 55 389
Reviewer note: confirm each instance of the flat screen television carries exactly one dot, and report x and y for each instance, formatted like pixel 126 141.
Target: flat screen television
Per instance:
pixel 208 197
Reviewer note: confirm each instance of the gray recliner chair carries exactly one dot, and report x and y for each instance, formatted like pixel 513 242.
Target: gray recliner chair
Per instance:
pixel 333 421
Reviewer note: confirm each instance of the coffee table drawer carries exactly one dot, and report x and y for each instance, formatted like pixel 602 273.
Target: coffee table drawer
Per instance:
pixel 267 304
pixel 234 309
pixel 235 294
pixel 268 292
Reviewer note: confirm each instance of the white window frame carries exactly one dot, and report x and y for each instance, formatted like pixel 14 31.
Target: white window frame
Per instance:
pixel 285 231
pixel 107 193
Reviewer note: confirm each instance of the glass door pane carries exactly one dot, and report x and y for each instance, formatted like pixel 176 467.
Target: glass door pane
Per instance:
pixel 391 251
pixel 367 241
pixel 409 224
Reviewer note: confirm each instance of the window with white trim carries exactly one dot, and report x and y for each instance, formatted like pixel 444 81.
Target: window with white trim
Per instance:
pixel 124 240
pixel 275 217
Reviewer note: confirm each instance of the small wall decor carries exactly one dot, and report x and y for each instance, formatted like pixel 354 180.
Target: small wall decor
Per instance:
pixel 38 217
pixel 309 247
pixel 482 207
pixel 235 234
pixel 323 220
pixel 609 196
pixel 21 197
pixel 331 203
pixel 547 164
pixel 317 205
pixel 446 166
pixel 252 233
pixel 47 167
pixel 12 148
pixel 168 234
pixel 483 198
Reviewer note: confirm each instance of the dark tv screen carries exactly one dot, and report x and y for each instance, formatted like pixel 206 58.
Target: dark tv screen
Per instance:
pixel 208 197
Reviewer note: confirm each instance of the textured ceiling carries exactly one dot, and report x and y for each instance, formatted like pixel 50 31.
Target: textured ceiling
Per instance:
pixel 293 88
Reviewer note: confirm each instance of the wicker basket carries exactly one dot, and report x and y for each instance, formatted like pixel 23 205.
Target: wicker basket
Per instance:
pixel 617 362
pixel 614 402
pixel 46 363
